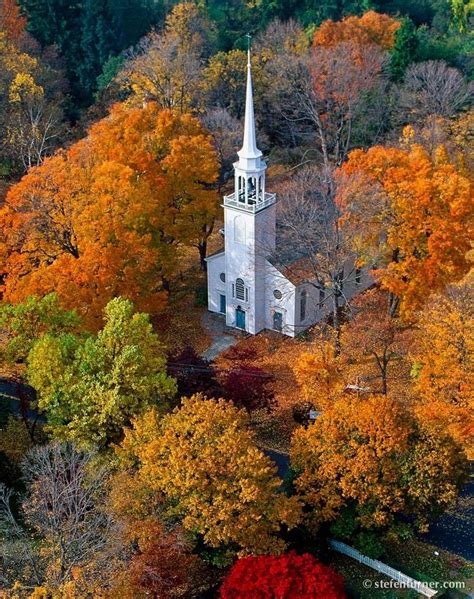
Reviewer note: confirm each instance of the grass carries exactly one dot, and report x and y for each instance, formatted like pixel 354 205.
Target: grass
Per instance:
pixel 416 559
pixel 419 560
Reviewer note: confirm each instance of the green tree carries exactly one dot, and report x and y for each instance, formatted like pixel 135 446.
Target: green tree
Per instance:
pixel 404 49
pixel 88 33
pixel 25 323
pixel 90 388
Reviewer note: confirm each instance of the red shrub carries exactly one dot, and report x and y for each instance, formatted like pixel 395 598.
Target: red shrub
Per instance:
pixel 289 576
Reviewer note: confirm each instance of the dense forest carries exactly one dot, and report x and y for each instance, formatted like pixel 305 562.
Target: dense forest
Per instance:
pixel 132 465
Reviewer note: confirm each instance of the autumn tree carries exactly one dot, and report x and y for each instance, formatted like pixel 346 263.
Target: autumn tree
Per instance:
pixel 91 388
pixel 278 52
pixel 193 374
pixel 231 501
pixel 443 362
pixel 375 344
pixel 410 213
pixel 226 132
pixel 310 227
pixel 12 22
pixel 433 88
pixel 64 525
pixel 249 387
pixel 320 374
pixel 371 28
pixel 224 80
pixel 31 101
pixel 284 576
pixel 162 563
pixel 110 215
pixel 328 94
pixel 166 67
pixel 369 453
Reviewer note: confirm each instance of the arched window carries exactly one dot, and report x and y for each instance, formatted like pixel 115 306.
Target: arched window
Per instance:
pixel 303 305
pixel 241 190
pixel 222 277
pixel 240 289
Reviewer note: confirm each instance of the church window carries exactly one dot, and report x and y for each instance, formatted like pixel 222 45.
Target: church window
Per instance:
pixel 240 290
pixel 303 305
pixel 277 294
pixel 357 276
pixel 222 277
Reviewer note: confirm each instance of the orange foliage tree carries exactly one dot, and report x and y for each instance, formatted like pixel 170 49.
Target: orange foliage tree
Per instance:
pixel 443 362
pixel 108 216
pixel 369 453
pixel 12 22
pixel 370 28
pixel 411 213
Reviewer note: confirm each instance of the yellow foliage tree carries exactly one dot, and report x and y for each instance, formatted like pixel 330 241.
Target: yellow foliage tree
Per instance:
pixel 444 362
pixel 203 459
pixel 319 374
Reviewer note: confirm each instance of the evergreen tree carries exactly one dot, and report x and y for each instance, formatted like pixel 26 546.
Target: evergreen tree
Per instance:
pixel 88 33
pixel 404 50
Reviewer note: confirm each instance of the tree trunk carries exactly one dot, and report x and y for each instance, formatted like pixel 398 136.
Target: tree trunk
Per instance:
pixel 393 304
pixel 202 247
pixel 336 323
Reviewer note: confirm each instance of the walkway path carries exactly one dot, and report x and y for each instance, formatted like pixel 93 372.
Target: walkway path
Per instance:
pixel 215 326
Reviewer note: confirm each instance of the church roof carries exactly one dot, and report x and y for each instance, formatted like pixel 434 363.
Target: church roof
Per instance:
pixel 299 270
pixel 295 265
pixel 216 253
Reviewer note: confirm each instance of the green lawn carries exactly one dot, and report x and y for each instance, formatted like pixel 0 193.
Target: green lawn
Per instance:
pixel 414 558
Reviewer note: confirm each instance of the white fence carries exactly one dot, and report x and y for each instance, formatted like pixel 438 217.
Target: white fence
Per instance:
pixel 404 580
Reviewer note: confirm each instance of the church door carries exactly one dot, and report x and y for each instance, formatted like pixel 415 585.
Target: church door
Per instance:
pixel 277 321
pixel 222 304
pixel 240 318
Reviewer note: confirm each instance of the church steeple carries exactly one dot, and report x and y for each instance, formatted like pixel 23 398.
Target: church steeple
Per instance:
pixel 249 170
pixel 249 150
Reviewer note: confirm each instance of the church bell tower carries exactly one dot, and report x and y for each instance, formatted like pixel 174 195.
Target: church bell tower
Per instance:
pixel 249 226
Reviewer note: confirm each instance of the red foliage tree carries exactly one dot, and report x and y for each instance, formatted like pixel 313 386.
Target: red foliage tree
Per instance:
pixel 193 374
pixel 249 387
pixel 288 576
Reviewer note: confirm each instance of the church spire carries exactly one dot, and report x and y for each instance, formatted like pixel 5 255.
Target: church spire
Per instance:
pixel 249 148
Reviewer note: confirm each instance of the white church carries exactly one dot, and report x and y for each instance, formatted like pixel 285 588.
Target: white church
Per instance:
pixel 243 284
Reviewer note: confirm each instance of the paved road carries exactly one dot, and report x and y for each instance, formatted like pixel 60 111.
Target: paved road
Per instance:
pixel 453 531
pixel 8 396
